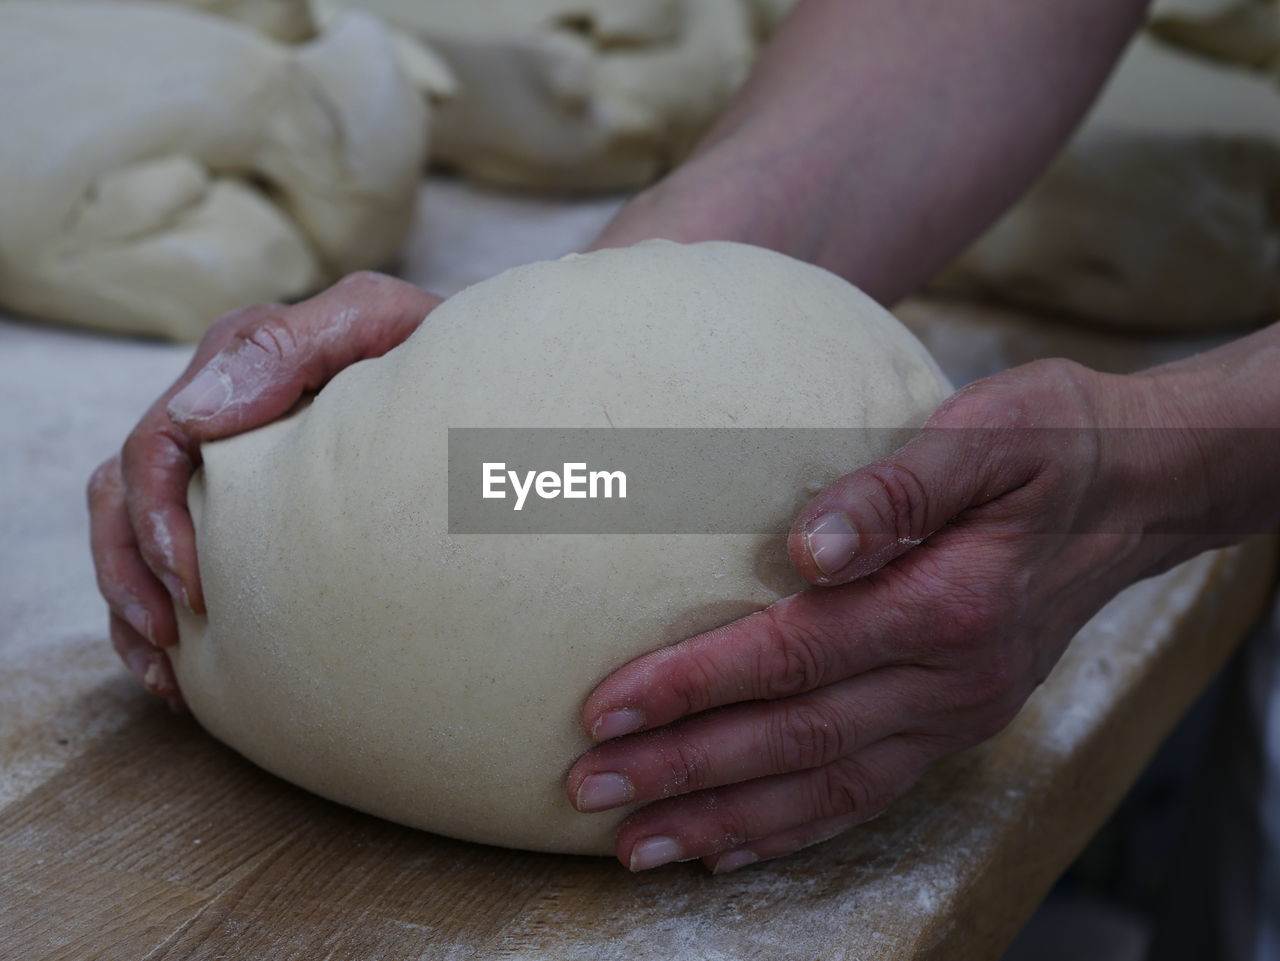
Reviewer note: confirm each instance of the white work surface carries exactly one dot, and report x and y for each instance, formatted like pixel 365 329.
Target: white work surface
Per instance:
pixel 68 398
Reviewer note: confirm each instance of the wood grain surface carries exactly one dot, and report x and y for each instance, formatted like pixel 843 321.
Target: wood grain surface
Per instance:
pixel 152 841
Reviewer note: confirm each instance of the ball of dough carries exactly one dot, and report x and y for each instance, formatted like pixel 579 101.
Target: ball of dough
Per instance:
pixel 577 95
pixel 1161 212
pixel 173 166
pixel 357 648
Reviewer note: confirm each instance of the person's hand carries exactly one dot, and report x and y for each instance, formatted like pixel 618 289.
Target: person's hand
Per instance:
pixel 251 367
pixel 951 576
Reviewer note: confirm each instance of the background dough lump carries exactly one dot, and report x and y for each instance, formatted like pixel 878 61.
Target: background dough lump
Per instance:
pixel 166 166
pixel 1162 211
pixel 578 95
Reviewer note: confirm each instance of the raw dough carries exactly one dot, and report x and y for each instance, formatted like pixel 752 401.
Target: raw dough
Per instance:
pixel 174 166
pixel 288 21
pixel 1163 211
pixel 355 647
pixel 1245 33
pixel 577 94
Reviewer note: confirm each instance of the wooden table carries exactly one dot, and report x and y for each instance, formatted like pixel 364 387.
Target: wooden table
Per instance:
pixel 150 840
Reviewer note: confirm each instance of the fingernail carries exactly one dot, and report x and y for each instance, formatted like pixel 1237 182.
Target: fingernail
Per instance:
pixel 613 724
pixel 177 590
pixel 136 616
pixel 599 792
pixel 654 852
pixel 734 860
pixel 208 394
pixel 143 664
pixel 832 542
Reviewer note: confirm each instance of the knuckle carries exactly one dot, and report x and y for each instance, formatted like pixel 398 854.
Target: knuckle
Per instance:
pixel 1017 398
pixel 983 403
pixel 104 481
pixel 1057 384
pixel 134 450
pixel 159 447
pixel 974 616
pixel 988 685
pixel 694 684
pixel 847 788
pixel 733 827
pixel 366 280
pixel 1057 373
pixel 903 501
pixel 806 736
pixel 121 643
pixel 970 609
pixel 227 324
pixel 685 766
pixel 795 657
pixel 273 337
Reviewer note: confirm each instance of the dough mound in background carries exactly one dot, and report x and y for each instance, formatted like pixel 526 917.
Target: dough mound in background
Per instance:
pixel 579 95
pixel 357 648
pixel 289 21
pixel 166 166
pixel 1242 32
pixel 1160 214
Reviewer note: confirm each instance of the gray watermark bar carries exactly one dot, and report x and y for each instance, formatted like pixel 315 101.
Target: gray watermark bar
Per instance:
pixel 756 480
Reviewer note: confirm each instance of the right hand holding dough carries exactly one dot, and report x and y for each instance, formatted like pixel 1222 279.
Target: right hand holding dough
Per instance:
pixel 251 367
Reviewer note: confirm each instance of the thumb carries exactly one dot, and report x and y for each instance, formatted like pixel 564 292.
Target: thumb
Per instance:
pixel 867 518
pixel 267 365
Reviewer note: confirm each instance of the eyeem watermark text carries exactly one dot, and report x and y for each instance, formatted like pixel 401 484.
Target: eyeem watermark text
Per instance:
pixel 574 483
pixel 737 480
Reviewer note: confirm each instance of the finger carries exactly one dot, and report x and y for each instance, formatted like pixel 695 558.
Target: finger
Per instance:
pixel 780 845
pixel 268 355
pixel 149 665
pixel 266 366
pixel 156 466
pixel 800 643
pixel 724 819
pixel 977 446
pixel 131 590
pixel 867 518
pixel 748 741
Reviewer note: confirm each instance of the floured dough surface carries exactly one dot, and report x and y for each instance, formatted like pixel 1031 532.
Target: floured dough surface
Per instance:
pixel 1161 213
pixel 289 21
pixel 1241 32
pixel 174 166
pixel 357 648
pixel 579 94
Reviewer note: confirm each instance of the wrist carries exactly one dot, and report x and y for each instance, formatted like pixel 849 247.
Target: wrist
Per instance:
pixel 1194 462
pixel 705 199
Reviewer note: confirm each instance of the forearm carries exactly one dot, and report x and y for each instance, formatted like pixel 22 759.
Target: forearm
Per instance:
pixel 877 137
pixel 1224 406
pixel 1181 458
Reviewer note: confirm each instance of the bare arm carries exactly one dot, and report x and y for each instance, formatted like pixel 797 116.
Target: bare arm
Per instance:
pixel 876 137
